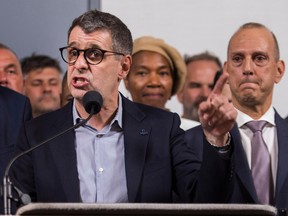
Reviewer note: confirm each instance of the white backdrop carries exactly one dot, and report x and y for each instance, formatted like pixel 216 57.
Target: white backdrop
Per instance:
pixel 193 26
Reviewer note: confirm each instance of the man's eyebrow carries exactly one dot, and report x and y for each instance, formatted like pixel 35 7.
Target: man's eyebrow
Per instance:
pixel 10 66
pixel 259 53
pixel 72 44
pixel 95 46
pixel 89 45
pixel 236 53
pixel 194 83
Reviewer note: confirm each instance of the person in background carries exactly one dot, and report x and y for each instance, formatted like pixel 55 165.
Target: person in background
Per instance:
pixel 201 70
pixel 127 152
pixel 15 109
pixel 226 90
pixel 10 70
pixel 253 169
pixel 157 73
pixel 66 96
pixel 42 76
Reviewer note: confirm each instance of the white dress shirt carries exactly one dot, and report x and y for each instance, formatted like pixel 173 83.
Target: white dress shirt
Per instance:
pixel 186 124
pixel 269 135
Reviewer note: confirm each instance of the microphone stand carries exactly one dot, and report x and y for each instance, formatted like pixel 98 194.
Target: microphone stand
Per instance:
pixel 7 184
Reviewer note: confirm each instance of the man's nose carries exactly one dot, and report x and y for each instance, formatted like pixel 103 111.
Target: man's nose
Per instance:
pixel 3 78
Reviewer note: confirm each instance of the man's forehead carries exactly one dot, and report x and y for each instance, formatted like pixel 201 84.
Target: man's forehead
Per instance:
pixel 8 61
pixel 96 39
pixel 252 35
pixel 77 35
pixel 251 43
pixel 5 53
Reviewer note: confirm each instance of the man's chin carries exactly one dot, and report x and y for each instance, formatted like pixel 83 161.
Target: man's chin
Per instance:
pixel 49 108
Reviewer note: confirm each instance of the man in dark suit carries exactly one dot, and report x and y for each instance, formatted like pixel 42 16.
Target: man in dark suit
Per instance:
pixel 15 110
pixel 127 152
pixel 11 75
pixel 226 175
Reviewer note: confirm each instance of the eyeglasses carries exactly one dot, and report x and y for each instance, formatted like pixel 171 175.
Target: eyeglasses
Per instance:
pixel 92 55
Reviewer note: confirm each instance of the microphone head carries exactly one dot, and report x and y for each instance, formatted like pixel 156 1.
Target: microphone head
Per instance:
pixel 92 100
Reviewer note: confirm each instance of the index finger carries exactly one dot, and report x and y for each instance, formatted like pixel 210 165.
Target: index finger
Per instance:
pixel 220 84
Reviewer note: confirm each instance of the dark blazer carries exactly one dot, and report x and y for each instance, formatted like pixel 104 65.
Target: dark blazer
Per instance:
pixel 156 156
pixel 229 180
pixel 14 110
pixel 286 119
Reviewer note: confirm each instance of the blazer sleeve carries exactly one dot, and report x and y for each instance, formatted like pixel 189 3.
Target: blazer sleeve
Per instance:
pixel 211 173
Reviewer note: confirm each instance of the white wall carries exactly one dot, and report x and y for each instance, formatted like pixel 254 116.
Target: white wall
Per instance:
pixel 193 26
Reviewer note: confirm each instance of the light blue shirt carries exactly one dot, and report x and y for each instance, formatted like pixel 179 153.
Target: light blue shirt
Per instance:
pixel 100 161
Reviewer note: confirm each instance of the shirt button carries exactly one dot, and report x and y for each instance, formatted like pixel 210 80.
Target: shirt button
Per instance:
pixel 99 135
pixel 101 169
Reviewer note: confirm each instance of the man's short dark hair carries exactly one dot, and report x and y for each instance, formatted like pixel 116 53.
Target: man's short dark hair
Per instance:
pixel 35 62
pixel 94 20
pixel 204 56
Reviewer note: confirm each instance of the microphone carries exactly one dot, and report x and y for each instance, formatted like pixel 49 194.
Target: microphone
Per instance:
pixel 92 102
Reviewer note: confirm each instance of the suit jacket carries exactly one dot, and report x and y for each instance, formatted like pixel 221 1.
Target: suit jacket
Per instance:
pixel 14 110
pixel 156 156
pixel 229 180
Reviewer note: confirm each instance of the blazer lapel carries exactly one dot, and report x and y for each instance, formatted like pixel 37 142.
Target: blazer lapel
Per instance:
pixel 63 152
pixel 241 165
pixel 282 168
pixel 136 137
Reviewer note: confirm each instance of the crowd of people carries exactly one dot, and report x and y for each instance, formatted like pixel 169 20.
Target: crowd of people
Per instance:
pixel 136 150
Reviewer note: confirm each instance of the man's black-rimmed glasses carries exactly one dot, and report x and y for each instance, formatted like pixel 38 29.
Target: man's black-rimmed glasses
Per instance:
pixel 92 55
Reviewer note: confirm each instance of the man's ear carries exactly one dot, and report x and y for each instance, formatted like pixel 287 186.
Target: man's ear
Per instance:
pixel 125 64
pixel 280 71
pixel 180 96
